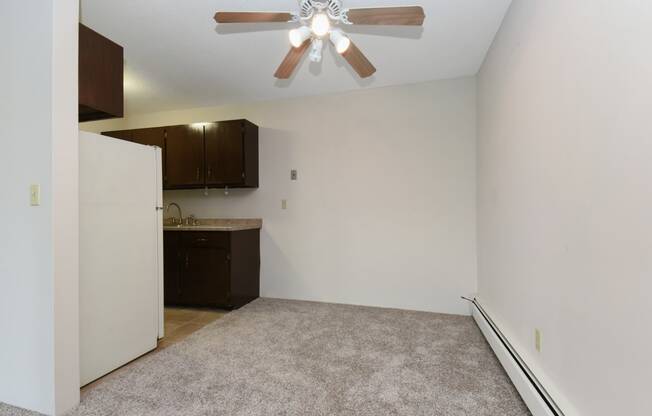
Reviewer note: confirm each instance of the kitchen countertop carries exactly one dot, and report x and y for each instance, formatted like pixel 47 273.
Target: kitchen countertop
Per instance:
pixel 215 224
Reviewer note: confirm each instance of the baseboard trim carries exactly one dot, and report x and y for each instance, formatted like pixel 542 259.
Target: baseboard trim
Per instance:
pixel 533 393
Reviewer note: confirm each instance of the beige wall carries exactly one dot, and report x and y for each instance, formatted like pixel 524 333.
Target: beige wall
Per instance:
pixel 383 212
pixel 565 197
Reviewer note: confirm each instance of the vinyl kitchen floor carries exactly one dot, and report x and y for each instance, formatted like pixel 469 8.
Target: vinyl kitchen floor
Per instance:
pixel 181 322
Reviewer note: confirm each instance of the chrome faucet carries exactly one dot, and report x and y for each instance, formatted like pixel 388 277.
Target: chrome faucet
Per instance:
pixel 178 208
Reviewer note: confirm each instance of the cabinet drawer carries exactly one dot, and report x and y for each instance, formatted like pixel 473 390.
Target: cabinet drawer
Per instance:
pixel 212 239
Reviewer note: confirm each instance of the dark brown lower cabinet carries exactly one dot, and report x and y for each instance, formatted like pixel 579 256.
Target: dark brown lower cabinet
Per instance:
pixel 211 268
pixel 171 267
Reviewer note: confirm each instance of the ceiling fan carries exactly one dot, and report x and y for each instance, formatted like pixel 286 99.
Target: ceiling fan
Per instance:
pixel 324 19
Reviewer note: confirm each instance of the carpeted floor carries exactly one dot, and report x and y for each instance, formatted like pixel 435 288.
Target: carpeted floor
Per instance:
pixel 278 357
pixel 6 410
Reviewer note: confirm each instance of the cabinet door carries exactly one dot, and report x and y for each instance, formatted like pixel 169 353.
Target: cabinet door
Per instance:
pixel 171 267
pixel 225 153
pixel 205 276
pixel 245 267
pixel 101 68
pixel 184 156
pixel 120 134
pixel 151 137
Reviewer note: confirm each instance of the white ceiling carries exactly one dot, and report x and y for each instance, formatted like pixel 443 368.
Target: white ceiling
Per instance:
pixel 177 57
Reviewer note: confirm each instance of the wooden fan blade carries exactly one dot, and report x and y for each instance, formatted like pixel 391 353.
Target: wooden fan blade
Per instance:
pixel 358 61
pixel 408 16
pixel 252 17
pixel 291 61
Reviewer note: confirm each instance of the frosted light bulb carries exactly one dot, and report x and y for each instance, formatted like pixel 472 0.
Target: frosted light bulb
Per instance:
pixel 321 24
pixel 340 40
pixel 298 36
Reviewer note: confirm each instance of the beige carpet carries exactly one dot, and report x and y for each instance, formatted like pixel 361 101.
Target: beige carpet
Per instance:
pixel 276 357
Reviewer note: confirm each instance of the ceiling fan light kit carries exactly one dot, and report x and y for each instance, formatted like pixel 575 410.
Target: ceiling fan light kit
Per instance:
pixel 318 19
pixel 315 51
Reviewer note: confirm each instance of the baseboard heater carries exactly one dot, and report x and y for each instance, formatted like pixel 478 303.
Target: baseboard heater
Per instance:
pixel 533 393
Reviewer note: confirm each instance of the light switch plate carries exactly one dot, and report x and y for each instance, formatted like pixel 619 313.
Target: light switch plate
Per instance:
pixel 284 204
pixel 35 195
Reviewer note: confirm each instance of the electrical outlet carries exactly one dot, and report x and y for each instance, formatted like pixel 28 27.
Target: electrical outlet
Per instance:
pixel 537 339
pixel 284 204
pixel 35 195
pixel 293 174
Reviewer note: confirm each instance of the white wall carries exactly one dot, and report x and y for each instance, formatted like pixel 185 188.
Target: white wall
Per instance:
pixel 38 264
pixel 383 212
pixel 65 203
pixel 565 197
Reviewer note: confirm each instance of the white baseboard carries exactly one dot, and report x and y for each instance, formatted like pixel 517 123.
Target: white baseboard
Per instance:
pixel 525 384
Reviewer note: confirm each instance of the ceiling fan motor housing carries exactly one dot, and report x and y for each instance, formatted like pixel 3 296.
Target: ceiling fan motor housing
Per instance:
pixel 332 7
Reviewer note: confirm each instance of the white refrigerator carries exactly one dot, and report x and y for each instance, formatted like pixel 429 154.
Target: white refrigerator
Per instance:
pixel 121 253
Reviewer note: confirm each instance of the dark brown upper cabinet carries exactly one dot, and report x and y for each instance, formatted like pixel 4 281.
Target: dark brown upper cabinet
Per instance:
pixel 213 155
pixel 127 135
pixel 150 137
pixel 101 93
pixel 231 154
pixel 184 155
